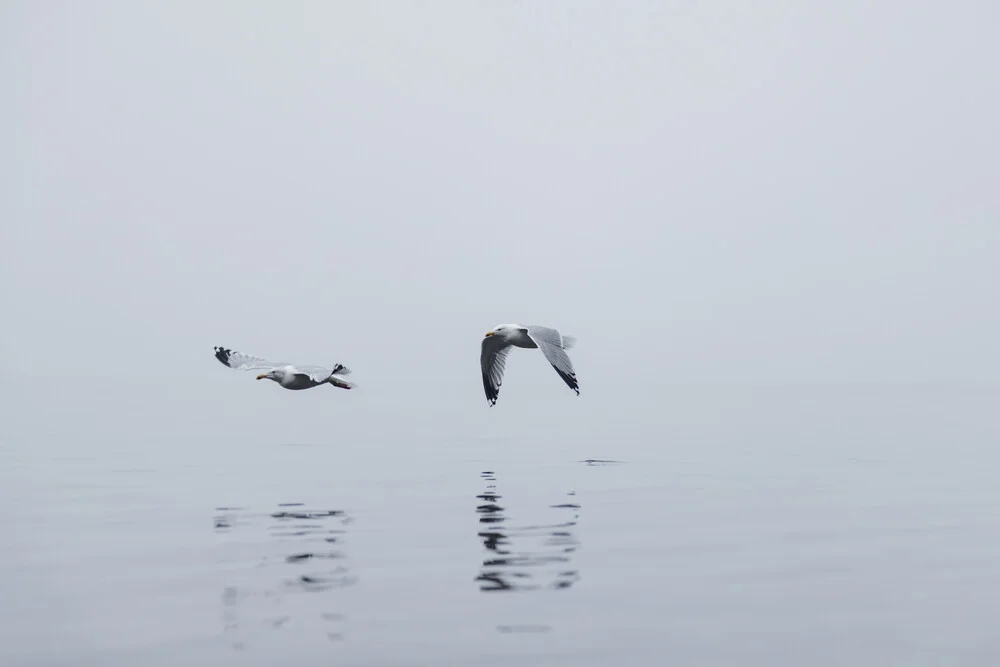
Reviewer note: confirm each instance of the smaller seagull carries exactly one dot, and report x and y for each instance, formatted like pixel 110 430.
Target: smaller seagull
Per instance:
pixel 287 375
pixel 497 344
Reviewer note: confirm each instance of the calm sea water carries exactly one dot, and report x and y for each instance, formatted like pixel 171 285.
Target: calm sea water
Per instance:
pixel 770 528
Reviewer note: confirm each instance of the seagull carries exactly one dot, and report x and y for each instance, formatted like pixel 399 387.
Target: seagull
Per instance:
pixel 287 375
pixel 497 343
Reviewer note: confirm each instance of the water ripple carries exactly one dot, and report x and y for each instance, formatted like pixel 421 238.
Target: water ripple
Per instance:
pixel 299 551
pixel 525 557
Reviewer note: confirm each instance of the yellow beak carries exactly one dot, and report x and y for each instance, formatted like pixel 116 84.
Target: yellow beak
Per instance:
pixel 261 377
pixel 489 333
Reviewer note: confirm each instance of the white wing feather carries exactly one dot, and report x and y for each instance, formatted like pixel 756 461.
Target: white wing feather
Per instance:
pixel 492 361
pixel 553 346
pixel 247 362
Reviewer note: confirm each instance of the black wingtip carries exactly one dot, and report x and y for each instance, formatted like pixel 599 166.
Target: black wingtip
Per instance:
pixel 222 354
pixel 492 393
pixel 569 379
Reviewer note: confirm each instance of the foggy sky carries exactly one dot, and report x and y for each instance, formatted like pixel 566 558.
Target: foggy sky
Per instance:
pixel 705 194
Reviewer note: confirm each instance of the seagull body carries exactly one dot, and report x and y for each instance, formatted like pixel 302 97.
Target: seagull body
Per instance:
pixel 497 344
pixel 287 375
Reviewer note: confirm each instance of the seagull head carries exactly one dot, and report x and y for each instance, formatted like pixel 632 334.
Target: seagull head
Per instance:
pixel 501 330
pixel 270 375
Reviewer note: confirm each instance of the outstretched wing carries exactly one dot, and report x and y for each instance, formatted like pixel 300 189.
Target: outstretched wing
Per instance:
pixel 245 362
pixel 492 360
pixel 553 345
pixel 320 373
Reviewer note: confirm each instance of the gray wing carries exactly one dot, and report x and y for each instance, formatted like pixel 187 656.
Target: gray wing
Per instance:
pixel 245 362
pixel 320 373
pixel 492 360
pixel 553 345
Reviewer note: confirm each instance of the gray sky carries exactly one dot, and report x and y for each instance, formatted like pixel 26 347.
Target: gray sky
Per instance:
pixel 703 193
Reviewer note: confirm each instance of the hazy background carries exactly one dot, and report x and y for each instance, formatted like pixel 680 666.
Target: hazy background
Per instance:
pixel 721 200
pixel 773 194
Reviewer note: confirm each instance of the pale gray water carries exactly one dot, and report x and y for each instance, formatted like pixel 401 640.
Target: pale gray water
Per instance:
pixel 766 527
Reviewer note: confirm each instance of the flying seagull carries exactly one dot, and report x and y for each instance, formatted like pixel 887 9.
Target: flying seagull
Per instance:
pixel 287 375
pixel 497 343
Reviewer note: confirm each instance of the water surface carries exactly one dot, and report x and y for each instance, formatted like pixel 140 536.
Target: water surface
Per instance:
pixel 746 528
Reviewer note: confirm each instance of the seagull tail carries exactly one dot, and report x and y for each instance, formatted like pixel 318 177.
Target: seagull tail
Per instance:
pixel 340 369
pixel 568 342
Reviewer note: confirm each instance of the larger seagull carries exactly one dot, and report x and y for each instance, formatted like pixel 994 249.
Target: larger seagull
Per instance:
pixel 287 375
pixel 497 344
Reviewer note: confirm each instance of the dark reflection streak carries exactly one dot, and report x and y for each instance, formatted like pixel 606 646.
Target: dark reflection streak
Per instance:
pixel 305 515
pixel 508 570
pixel 322 574
pixel 492 541
pixel 525 561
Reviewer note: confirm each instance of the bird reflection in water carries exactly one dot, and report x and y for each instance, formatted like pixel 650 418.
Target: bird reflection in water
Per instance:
pixel 509 566
pixel 298 552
